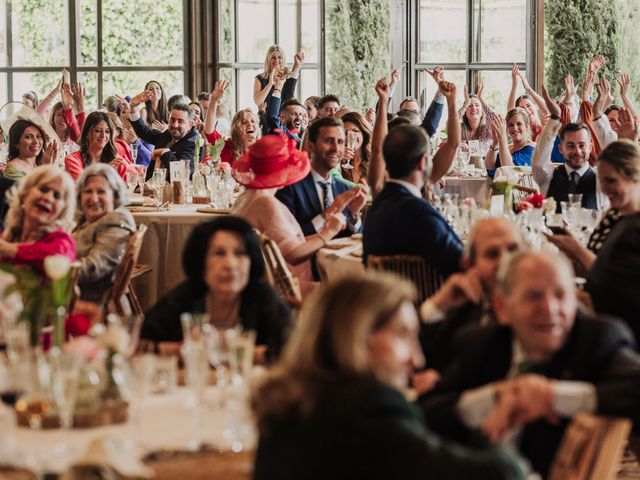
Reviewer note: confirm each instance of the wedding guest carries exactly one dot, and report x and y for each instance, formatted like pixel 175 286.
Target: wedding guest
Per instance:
pixel 97 145
pixel 204 98
pixel 476 120
pixel 63 129
pixel 39 219
pixel 275 63
pixel 530 102
pixel 311 104
pixel 244 127
pixel 516 126
pixel 155 104
pixel 535 362
pixel 271 163
pixel 335 402
pixel 328 106
pixel 358 154
pixel 28 149
pixel 225 279
pixel 102 231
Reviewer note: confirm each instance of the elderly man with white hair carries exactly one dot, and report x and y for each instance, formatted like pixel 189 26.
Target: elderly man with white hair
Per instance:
pixel 542 364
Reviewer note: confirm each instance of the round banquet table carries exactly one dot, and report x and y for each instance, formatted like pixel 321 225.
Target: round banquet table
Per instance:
pixel 162 247
pixel 340 257
pixel 478 188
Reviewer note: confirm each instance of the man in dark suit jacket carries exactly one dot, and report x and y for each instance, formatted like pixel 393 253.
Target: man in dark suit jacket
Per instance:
pixel 466 298
pixel 176 143
pixel 319 193
pixel 400 221
pixel 582 364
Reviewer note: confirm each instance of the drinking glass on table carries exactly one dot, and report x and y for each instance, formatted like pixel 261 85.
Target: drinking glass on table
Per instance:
pixel 575 199
pixel 65 376
pixel 157 183
pixel 142 174
pixel 196 363
pixel 132 180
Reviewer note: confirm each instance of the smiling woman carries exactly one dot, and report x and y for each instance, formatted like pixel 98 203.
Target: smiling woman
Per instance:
pixel 102 231
pixel 27 149
pixel 39 218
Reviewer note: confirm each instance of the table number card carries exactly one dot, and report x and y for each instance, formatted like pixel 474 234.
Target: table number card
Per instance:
pixel 474 148
pixel 176 171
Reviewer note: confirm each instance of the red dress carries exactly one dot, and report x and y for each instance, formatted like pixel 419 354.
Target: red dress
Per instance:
pixel 54 243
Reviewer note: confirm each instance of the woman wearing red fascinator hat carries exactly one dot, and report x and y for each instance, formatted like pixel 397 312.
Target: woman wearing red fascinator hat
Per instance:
pixel 271 163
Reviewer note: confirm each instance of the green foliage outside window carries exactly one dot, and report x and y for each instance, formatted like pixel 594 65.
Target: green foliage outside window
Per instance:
pixel 577 30
pixel 357 49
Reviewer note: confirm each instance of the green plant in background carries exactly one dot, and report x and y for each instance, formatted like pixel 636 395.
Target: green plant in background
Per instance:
pixel 358 49
pixel 628 18
pixel 577 30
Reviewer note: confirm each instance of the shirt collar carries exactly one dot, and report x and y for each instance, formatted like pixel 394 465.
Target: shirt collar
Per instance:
pixel 319 178
pixel 415 191
pixel 581 171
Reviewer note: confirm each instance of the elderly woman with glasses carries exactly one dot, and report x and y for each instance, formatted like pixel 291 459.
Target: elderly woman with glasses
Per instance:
pixel 102 231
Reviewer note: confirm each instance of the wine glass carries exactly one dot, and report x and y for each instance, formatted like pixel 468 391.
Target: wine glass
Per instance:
pixel 350 143
pixel 132 180
pixel 142 174
pixel 65 376
pixel 157 183
pixel 134 151
pixel 197 376
pixel 126 328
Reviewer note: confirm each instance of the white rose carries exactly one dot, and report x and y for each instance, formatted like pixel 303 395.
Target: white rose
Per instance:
pixel 56 266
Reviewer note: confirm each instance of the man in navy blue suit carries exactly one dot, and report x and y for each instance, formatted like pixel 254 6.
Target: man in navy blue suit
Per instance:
pixel 400 221
pixel 319 193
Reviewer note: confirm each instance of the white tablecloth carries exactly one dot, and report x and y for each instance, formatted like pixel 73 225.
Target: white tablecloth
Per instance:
pixel 162 249
pixel 478 188
pixel 166 423
pixel 344 257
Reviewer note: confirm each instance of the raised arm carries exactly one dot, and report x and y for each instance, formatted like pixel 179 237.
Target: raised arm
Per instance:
pixel 499 129
pixel 216 94
pixel 542 107
pixel 447 152
pixel 260 94
pixel 434 112
pixel 376 174
pixel 511 101
pixel 541 166
pixel 45 104
pixel 624 82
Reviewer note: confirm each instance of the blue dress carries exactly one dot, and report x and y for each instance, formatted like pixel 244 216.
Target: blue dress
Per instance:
pixel 521 158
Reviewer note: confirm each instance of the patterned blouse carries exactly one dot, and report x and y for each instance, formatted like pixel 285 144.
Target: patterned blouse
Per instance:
pixel 602 231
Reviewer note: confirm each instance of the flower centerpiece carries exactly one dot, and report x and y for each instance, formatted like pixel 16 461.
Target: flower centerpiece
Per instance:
pixel 45 298
pixel 537 200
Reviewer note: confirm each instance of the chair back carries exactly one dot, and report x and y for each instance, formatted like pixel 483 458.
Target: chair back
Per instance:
pixel 278 274
pixel 426 278
pixel 591 449
pixel 125 271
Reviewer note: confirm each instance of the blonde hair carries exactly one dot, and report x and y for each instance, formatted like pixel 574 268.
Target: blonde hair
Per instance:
pixel 37 176
pixel 624 157
pixel 330 341
pixel 273 49
pixel 236 132
pixel 515 112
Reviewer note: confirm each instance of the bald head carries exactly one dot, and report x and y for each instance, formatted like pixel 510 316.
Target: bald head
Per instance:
pixel 489 240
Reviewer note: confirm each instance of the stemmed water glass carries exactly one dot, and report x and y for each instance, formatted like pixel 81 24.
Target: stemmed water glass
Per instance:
pixel 157 183
pixel 142 174
pixel 132 180
pixel 65 376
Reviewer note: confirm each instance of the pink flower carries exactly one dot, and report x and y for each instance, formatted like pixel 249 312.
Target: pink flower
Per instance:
pixel 85 346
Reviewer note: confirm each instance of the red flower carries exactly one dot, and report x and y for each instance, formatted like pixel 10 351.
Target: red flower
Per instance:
pixel 536 200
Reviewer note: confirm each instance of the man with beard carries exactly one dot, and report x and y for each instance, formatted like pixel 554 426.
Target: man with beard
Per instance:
pixel 175 143
pixel 576 176
pixel 291 114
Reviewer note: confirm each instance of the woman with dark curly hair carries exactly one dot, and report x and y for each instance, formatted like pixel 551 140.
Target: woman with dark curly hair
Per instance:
pixel 357 150
pixel 225 279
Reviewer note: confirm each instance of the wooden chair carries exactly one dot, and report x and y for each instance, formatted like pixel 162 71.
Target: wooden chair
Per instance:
pixel 591 449
pixel 426 278
pixel 122 282
pixel 278 273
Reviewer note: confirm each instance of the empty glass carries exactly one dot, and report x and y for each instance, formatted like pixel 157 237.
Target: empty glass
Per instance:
pixel 157 183
pixel 132 180
pixel 197 378
pixel 575 199
pixel 142 174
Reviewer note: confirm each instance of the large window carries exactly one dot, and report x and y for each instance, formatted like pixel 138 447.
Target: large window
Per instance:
pixel 246 30
pixel 475 40
pixel 113 46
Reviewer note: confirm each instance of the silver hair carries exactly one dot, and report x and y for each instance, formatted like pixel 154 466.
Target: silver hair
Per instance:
pixel 508 269
pixel 18 194
pixel 110 174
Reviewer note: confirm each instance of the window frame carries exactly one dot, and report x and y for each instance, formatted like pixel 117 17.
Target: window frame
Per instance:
pixel 74 52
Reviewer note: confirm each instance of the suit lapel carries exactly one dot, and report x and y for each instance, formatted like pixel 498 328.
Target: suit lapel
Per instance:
pixel 311 193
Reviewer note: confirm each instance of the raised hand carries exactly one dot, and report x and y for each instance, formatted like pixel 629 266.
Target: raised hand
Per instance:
pixel 552 105
pixel 66 95
pixel 623 82
pixel 604 98
pixel 298 59
pixel 587 85
pixel 467 99
pixel 129 135
pixel 78 92
pixel 123 105
pixel 383 90
pixel 51 152
pixel 480 89
pixel 628 127
pixel 499 127
pixel 515 74
pixel 596 64
pixel 448 89
pixel 140 98
pixel 219 89
pixel 334 223
pixel 437 74
pixel 395 75
pixel 570 89
pixel 160 126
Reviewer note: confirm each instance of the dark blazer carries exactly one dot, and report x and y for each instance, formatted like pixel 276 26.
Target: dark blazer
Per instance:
pixel 183 149
pixel 614 279
pixel 301 198
pixel 398 223
pixel 261 309
pixel 432 118
pixel 598 350
pixel 361 429
pixel 273 123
